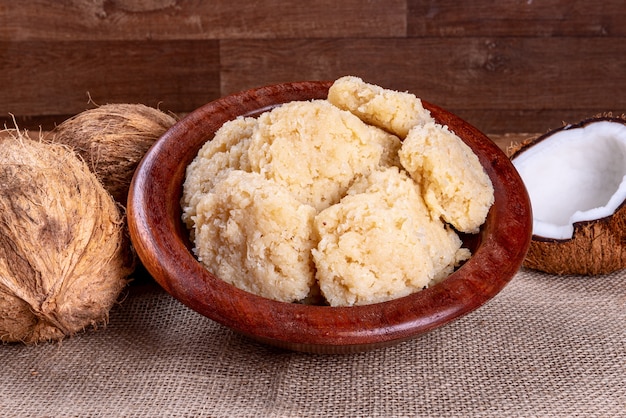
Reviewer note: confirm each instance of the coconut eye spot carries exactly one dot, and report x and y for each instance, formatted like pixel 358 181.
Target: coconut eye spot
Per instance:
pixel 574 175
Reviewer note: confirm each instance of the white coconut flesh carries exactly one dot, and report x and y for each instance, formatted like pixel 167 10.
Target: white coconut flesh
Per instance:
pixel 574 175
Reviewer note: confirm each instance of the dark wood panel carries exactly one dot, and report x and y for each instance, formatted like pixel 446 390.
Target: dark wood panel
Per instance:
pixel 507 75
pixel 516 18
pixel 497 121
pixel 499 84
pixel 58 78
pixel 506 140
pixel 504 65
pixel 197 19
pixel 32 124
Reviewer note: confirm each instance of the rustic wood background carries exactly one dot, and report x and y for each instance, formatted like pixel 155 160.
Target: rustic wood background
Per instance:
pixel 503 65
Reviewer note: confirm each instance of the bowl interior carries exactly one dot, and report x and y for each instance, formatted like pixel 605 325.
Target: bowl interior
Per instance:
pixel 162 243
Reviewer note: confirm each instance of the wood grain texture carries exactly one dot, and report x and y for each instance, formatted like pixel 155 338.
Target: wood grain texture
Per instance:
pixel 197 19
pixel 499 83
pixel 51 78
pixel 499 122
pixel 533 18
pixel 507 140
pixel 505 66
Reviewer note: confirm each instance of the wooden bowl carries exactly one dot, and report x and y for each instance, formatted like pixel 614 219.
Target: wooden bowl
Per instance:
pixel 162 243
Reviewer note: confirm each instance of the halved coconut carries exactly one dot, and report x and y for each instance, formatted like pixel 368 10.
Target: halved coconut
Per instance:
pixel 576 180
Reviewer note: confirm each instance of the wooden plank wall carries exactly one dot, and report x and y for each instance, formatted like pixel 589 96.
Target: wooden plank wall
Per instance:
pixel 503 65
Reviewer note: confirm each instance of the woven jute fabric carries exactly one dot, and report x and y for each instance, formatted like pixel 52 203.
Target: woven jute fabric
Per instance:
pixel 546 346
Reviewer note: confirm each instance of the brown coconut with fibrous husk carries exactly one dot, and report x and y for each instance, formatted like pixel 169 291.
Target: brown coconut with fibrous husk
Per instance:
pixel 64 256
pixel 113 139
pixel 576 180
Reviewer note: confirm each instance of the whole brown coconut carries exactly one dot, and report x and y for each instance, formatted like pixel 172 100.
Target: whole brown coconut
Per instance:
pixel 576 179
pixel 112 139
pixel 63 253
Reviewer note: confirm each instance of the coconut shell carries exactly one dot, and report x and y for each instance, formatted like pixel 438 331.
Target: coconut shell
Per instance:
pixel 596 247
pixel 64 256
pixel 113 139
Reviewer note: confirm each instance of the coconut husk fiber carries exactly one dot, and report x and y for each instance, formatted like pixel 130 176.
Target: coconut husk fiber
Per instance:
pixel 113 139
pixel 596 248
pixel 64 254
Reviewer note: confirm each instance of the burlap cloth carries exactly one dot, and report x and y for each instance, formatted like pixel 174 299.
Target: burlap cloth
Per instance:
pixel 545 346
